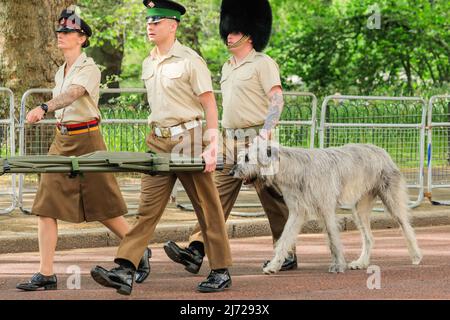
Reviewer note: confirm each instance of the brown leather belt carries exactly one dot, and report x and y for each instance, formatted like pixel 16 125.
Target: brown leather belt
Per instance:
pixel 77 128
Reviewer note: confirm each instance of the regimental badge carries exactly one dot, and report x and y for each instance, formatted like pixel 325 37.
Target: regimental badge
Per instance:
pixel 151 4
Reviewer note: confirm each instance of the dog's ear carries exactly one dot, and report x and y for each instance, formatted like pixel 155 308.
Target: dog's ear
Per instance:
pixel 272 152
pixel 268 158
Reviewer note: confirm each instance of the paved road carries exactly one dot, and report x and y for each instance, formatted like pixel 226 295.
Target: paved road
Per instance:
pixel 399 278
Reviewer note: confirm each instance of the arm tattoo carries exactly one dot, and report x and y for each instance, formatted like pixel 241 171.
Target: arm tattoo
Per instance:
pixel 66 98
pixel 275 109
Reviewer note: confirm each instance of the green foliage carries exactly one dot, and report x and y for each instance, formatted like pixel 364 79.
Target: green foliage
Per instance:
pixel 339 48
pixel 117 21
pixel 321 46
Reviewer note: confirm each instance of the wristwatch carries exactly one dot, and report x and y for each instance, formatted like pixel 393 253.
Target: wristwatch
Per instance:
pixel 44 107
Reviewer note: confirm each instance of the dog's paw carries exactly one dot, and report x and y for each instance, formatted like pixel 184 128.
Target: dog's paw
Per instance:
pixel 337 268
pixel 272 268
pixel 417 258
pixel 357 265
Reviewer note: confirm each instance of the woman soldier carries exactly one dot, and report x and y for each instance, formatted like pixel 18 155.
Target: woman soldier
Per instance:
pixel 93 196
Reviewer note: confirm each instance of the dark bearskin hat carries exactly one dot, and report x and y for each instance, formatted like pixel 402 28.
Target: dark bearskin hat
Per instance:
pixel 251 17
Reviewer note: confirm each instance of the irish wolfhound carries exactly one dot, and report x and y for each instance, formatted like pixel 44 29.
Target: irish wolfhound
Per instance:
pixel 317 181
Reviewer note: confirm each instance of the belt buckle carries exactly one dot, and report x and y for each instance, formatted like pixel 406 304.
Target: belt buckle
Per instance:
pixel 165 132
pixel 162 132
pixel 63 130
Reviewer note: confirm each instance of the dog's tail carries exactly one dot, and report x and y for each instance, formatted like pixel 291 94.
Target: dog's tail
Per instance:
pixel 394 196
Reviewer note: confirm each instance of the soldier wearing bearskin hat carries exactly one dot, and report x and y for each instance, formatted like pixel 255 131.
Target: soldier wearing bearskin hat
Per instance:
pixel 252 105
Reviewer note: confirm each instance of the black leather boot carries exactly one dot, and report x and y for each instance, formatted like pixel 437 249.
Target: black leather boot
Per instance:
pixel 290 263
pixel 39 281
pixel 217 281
pixel 190 257
pixel 144 268
pixel 120 278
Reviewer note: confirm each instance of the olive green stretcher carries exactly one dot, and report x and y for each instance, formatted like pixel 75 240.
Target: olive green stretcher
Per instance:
pixel 103 161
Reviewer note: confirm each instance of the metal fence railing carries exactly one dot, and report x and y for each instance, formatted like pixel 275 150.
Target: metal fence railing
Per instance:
pixel 298 122
pixel 8 196
pixel 438 176
pixel 396 124
pixel 296 128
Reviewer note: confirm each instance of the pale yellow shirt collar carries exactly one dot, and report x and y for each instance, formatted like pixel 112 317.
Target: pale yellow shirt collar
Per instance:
pixel 80 60
pixel 175 51
pixel 78 63
pixel 249 58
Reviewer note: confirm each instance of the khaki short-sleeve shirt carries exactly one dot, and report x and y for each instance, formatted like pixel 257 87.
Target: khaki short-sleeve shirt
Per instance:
pixel 85 73
pixel 245 88
pixel 174 83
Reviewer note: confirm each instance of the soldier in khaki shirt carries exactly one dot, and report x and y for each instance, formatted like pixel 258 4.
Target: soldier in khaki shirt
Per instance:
pixel 95 196
pixel 179 91
pixel 252 105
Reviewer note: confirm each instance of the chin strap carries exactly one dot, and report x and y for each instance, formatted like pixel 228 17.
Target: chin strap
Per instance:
pixel 239 43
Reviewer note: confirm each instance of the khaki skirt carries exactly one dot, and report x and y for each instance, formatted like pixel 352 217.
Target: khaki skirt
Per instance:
pixel 89 197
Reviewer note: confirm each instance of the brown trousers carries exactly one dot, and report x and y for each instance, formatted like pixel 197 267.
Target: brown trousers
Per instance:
pixel 229 187
pixel 155 193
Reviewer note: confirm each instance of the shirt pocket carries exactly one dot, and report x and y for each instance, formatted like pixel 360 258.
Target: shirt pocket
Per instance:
pixel 147 74
pixel 225 81
pixel 245 75
pixel 225 87
pixel 247 81
pixel 224 78
pixel 172 74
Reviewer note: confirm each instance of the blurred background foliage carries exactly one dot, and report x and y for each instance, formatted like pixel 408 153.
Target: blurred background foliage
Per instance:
pixel 382 47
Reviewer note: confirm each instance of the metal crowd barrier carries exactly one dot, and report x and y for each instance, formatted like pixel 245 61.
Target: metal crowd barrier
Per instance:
pixel 297 128
pixel 7 148
pixel 438 176
pixel 297 117
pixel 396 124
pixel 298 122
pixel 123 132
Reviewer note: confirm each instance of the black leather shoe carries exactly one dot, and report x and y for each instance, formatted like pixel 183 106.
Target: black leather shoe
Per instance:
pixel 119 278
pixel 39 281
pixel 217 281
pixel 144 268
pixel 290 263
pixel 191 258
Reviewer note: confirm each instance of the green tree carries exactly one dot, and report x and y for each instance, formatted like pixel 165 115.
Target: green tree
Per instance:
pixel 334 48
pixel 29 57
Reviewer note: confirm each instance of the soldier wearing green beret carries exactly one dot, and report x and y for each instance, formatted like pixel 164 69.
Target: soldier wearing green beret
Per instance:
pixel 180 95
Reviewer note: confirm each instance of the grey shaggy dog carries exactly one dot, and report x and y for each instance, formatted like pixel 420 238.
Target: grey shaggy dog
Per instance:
pixel 317 181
